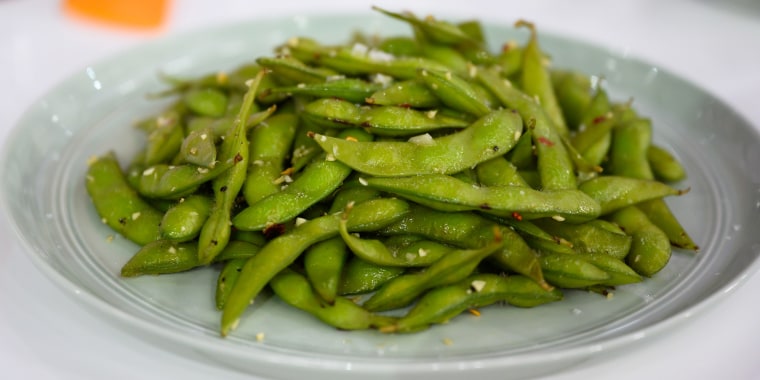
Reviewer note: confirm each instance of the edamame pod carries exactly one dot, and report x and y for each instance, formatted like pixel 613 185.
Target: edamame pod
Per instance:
pixel 183 222
pixel 317 180
pixel 442 304
pixel 119 206
pixel 488 137
pixel 440 191
pixel 280 252
pixel 451 268
pixel 650 247
pixel 343 314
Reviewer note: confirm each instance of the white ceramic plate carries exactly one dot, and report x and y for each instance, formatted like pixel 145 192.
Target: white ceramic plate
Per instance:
pixel 44 161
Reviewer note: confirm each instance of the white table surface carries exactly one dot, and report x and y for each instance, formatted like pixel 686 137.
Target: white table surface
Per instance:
pixel 45 335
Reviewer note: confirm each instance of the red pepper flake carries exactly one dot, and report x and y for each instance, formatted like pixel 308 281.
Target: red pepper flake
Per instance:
pixel 599 119
pixel 405 105
pixel 238 158
pixel 274 230
pixel 545 141
pixel 517 216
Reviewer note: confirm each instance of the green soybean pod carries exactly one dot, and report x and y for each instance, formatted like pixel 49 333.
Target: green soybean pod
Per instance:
pixel 376 252
pixel 499 171
pixel 454 267
pixel 206 101
pixel 650 248
pixel 659 213
pixel 270 145
pixel 183 221
pixel 226 280
pixel 479 290
pixel 554 163
pixel 198 148
pixel 282 251
pixel 174 181
pixel 118 205
pixel 571 271
pixel 536 80
pixel 619 273
pixel 664 165
pixel 216 231
pixel 573 90
pixel 488 137
pixel 409 93
pixel 455 91
pixel 440 31
pixel 323 263
pixel 349 89
pixel 164 141
pixel 628 152
pixel 404 121
pixel 361 276
pixel 318 180
pixel 470 230
pixel 401 46
pixel 294 289
pixel 595 236
pixel 446 193
pixel 615 192
pixel 294 71
pixel 162 257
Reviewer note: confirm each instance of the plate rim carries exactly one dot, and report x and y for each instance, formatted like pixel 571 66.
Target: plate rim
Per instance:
pixel 373 365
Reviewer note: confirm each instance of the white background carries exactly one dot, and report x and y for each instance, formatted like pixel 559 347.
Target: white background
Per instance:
pixel 45 335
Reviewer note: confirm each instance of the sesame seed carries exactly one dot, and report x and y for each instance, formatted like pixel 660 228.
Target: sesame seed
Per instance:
pixel 149 171
pixel 558 218
pixel 363 181
pixel 135 215
pixel 472 70
pixel 478 285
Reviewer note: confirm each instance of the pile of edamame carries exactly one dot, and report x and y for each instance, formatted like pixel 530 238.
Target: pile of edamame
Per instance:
pixel 393 183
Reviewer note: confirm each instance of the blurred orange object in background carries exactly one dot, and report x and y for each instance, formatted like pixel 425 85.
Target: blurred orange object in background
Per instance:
pixel 143 14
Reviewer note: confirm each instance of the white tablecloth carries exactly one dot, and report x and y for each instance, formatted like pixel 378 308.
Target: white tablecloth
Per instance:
pixel 45 335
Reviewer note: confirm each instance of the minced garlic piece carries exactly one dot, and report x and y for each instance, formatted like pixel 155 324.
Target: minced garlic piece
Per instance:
pixel 478 285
